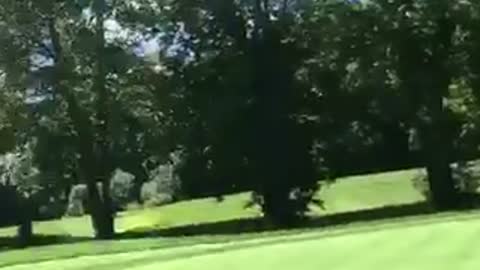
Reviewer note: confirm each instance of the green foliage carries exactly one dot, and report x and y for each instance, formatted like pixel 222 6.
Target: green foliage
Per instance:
pixel 17 170
pixel 77 62
pixel 55 208
pixel 162 188
pixel 121 188
pixel 76 201
pixel 249 138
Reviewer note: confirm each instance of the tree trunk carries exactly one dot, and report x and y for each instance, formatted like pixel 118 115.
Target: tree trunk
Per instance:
pixel 427 78
pixel 92 166
pixel 438 143
pixel 445 195
pixel 25 226
pixel 101 213
pixel 103 224
pixel 25 232
pixel 437 151
pixel 104 216
pixel 277 206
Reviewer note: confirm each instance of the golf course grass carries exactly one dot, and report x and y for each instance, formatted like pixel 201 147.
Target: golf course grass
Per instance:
pixel 344 195
pixel 448 245
pixel 438 242
pixel 421 241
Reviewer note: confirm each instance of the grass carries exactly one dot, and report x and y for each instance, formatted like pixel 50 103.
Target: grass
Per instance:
pixel 432 246
pixel 345 195
pixel 441 241
pixel 425 242
pixel 369 192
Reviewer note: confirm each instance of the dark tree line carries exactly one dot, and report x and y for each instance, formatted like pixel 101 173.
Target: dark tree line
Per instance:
pixel 268 96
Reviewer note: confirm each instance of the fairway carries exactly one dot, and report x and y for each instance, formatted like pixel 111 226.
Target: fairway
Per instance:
pixel 441 243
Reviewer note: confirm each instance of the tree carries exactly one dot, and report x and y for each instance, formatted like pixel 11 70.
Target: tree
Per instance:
pixel 431 82
pixel 237 102
pixel 420 49
pixel 87 92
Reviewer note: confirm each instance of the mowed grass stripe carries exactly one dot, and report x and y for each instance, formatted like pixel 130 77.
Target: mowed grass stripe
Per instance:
pixel 67 251
pixel 393 247
pixel 412 246
pixel 436 246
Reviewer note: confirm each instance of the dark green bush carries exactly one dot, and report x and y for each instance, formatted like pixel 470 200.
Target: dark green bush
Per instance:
pixel 163 187
pixel 77 201
pixel 121 187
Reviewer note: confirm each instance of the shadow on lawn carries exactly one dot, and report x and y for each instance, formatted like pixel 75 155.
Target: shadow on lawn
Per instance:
pixel 8 242
pixel 250 225
pixel 230 227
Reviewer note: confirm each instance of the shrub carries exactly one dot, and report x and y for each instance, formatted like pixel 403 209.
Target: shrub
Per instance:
pixel 121 187
pixel 76 201
pixel 167 181
pixel 163 187
pixel 51 210
pixel 152 195
pixel 148 191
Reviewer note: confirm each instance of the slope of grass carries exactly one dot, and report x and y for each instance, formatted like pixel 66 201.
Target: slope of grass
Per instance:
pixel 449 245
pixel 369 191
pixel 444 241
pixel 345 195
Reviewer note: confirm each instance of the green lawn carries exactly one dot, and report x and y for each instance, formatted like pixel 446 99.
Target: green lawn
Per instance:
pixel 347 194
pixel 437 241
pixel 446 241
pixel 444 245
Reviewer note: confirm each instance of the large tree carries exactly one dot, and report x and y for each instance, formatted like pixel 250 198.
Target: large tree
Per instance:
pixel 423 50
pixel 239 106
pixel 87 90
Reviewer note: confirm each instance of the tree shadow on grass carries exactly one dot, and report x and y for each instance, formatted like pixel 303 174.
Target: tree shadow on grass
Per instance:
pixel 10 242
pixel 258 225
pixel 239 226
